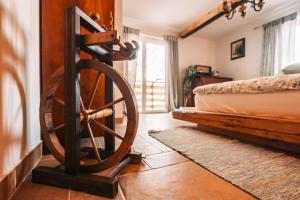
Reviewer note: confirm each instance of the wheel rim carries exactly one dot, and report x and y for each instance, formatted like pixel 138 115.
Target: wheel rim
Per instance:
pixel 89 116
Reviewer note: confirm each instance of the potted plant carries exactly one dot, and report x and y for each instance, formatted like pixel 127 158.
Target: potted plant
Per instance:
pixel 191 73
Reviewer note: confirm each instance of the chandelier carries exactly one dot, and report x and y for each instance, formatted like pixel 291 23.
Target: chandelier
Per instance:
pixel 229 8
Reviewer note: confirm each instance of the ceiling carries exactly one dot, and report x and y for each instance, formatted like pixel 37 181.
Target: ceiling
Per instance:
pixel 172 16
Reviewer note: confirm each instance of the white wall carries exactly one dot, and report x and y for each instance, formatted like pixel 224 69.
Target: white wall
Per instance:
pixel 19 81
pixel 248 67
pixel 243 68
pixel 194 50
pixel 118 65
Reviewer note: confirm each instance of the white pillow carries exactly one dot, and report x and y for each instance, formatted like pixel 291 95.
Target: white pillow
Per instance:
pixel 292 69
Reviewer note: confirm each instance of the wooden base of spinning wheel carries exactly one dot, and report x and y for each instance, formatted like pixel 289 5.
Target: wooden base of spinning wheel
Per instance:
pixel 106 186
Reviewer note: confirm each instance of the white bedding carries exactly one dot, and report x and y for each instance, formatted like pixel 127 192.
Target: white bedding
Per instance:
pixel 284 105
pixel 268 84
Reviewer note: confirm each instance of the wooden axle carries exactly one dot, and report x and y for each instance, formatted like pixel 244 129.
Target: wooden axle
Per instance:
pixel 90 115
pixel 99 115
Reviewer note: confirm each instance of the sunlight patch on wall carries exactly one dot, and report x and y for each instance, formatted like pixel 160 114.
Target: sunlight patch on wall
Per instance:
pixel 19 81
pixel 12 123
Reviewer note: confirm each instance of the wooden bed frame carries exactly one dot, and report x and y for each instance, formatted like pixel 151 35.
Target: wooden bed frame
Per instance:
pixel 280 133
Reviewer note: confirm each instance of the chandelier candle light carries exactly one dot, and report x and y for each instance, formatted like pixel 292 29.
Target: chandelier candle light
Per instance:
pixel 230 10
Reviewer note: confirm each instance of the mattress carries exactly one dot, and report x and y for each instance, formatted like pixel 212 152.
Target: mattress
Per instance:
pixel 283 105
pixel 271 97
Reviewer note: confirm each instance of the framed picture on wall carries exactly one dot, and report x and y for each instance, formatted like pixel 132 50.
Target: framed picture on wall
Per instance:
pixel 238 49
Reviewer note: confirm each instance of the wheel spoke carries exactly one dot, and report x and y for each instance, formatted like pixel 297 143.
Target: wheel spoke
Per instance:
pixel 108 130
pixel 94 89
pixel 107 106
pixel 81 103
pixel 62 125
pixel 93 142
pixel 59 101
pixel 58 127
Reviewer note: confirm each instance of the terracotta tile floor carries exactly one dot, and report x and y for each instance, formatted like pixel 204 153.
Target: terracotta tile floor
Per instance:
pixel 163 174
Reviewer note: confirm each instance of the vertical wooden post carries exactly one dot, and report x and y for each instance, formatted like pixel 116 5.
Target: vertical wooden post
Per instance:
pixel 109 121
pixel 72 92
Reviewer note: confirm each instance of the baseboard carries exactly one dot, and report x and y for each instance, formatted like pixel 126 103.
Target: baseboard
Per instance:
pixel 11 182
pixel 119 120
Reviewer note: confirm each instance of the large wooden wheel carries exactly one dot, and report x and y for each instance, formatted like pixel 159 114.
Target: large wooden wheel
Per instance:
pixel 90 117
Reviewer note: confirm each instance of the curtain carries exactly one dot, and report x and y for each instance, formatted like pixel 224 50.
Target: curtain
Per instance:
pixel 172 66
pixel 297 48
pixel 279 44
pixel 130 68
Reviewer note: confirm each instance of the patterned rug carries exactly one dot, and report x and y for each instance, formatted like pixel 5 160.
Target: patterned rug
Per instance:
pixel 263 173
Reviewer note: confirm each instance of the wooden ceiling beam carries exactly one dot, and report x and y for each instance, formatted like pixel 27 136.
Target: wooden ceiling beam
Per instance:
pixel 208 18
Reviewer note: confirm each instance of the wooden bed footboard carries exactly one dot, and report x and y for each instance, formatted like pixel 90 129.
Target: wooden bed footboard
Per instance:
pixel 280 133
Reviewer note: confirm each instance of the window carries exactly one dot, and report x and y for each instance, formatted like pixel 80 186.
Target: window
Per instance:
pixel 297 50
pixel 150 86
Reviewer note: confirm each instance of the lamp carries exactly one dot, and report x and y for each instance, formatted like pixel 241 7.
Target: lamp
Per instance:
pixel 229 8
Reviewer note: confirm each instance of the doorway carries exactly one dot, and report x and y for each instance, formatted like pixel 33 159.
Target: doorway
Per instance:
pixel 150 86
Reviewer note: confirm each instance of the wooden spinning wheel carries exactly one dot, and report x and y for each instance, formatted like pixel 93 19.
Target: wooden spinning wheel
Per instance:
pixel 77 121
pixel 88 117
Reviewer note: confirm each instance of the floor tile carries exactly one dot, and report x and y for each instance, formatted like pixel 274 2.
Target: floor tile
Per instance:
pixel 156 143
pixel 165 159
pixel 49 161
pixel 162 147
pixel 179 182
pixel 163 174
pixel 147 150
pixel 75 195
pixel 32 191
pixel 8 185
pixel 139 141
pixel 134 168
pixel 48 156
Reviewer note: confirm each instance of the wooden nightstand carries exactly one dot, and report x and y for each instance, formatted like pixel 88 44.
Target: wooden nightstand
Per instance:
pixel 205 80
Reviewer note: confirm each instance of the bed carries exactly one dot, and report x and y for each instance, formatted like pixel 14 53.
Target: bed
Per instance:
pixel 264 110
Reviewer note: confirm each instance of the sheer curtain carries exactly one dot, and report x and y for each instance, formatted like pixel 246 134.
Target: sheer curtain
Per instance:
pixel 172 66
pixel 279 44
pixel 130 68
pixel 297 48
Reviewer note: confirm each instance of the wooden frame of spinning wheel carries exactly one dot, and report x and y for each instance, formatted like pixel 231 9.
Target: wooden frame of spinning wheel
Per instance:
pixel 76 112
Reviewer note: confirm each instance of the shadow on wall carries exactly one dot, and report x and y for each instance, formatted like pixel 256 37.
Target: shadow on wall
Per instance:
pixel 13 52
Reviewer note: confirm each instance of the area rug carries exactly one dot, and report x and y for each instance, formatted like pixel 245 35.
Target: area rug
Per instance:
pixel 264 173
